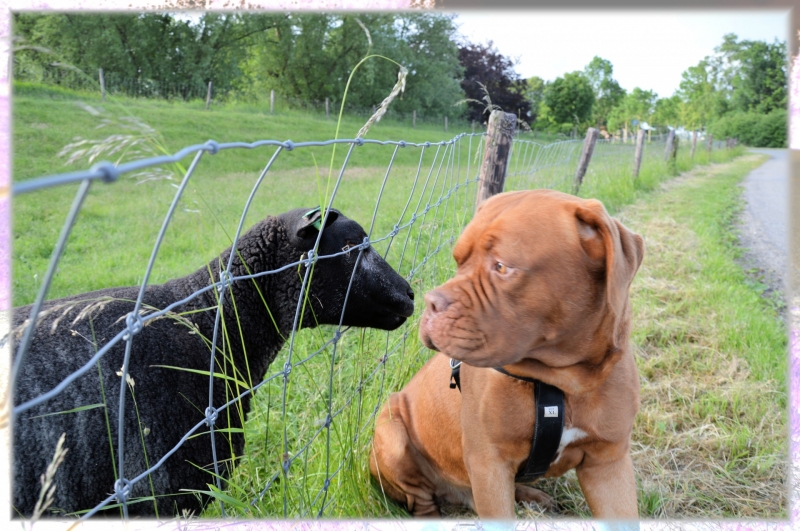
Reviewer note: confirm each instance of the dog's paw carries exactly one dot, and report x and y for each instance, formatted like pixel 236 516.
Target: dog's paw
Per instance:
pixel 523 493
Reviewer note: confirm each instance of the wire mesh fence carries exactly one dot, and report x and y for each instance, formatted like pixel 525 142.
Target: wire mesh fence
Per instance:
pixel 310 409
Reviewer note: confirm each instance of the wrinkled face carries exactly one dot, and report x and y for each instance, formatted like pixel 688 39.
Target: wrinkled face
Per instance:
pixel 531 275
pixel 378 296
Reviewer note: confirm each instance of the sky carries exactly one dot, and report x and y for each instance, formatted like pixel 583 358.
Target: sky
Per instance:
pixel 649 49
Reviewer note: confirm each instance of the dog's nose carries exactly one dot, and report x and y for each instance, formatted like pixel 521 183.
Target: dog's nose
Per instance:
pixel 435 301
pixel 410 293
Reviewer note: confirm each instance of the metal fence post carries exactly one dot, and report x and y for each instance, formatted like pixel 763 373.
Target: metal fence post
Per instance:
pixel 208 95
pixel 499 137
pixel 445 124
pixel 586 156
pixel 327 108
pixel 272 101
pixel 102 85
pixel 637 159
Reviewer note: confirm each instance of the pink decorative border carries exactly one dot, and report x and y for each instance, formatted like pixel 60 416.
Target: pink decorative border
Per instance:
pixel 378 525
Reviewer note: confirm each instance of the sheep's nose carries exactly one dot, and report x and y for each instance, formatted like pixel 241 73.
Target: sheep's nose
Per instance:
pixel 436 301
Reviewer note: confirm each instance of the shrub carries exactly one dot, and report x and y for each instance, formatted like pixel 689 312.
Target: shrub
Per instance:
pixel 753 129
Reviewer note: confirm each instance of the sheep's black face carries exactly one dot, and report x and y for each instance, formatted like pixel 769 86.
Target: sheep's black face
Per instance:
pixel 379 297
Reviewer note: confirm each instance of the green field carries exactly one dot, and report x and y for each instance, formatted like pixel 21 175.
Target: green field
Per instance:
pixel 114 235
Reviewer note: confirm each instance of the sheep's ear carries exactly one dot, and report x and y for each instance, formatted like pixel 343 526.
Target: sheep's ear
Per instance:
pixel 310 223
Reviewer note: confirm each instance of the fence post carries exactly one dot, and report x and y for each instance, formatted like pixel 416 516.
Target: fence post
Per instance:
pixel 102 85
pixel 637 159
pixel 670 141
pixel 694 142
pixel 445 124
pixel 208 95
pixel 414 119
pixel 327 108
pixel 473 126
pixel 272 101
pixel 710 142
pixel 586 156
pixel 499 137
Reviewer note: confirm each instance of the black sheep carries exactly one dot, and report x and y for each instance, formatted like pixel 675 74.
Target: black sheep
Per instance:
pixel 170 402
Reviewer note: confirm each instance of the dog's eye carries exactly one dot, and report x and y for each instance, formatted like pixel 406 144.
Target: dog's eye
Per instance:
pixel 500 268
pixel 348 245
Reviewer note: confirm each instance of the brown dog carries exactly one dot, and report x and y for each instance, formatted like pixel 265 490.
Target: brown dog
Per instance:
pixel 541 290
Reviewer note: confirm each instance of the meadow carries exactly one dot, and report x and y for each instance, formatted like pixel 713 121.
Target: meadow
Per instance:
pixel 427 194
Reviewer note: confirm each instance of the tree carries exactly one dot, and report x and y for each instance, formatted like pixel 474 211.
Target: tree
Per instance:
pixel 485 67
pixel 534 93
pixel 146 47
pixel 756 72
pixel 607 92
pixel 311 56
pixel 667 112
pixel 569 101
pixel 638 105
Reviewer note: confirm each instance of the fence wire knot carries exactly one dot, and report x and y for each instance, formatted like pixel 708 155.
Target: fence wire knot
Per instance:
pixel 337 336
pixel 288 145
pixel 212 147
pixel 327 423
pixel 286 464
pixel 359 141
pixel 402 143
pixel 312 257
pixel 363 246
pixel 134 323
pixel 287 369
pixel 211 416
pixel 327 484
pixel 225 281
pixel 395 230
pixel 122 489
pixel 109 171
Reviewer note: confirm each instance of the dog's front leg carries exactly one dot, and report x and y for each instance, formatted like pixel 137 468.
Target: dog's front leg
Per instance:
pixel 492 482
pixel 610 488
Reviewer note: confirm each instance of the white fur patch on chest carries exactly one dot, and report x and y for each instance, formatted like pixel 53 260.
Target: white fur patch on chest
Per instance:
pixel 568 437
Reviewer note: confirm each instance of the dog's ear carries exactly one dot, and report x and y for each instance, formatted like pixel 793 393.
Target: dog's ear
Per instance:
pixel 610 245
pixel 309 224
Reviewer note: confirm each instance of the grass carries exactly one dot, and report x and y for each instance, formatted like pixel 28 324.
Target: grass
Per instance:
pixel 113 238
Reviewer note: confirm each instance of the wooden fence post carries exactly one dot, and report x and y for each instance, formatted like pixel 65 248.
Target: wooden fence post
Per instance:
pixel 414 119
pixel 710 142
pixel 694 142
pixel 272 102
pixel 670 141
pixel 102 85
pixel 586 156
pixel 473 126
pixel 445 124
pixel 327 108
pixel 208 95
pixel 499 137
pixel 637 159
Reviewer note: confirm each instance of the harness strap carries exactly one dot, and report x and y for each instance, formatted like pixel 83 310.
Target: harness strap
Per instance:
pixel 549 402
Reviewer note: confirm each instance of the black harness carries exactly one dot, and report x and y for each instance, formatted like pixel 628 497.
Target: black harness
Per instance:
pixel 549 425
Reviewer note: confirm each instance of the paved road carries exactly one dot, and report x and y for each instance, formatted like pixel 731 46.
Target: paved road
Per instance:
pixel 765 220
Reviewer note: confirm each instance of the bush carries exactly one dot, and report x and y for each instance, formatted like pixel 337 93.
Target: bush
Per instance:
pixel 753 129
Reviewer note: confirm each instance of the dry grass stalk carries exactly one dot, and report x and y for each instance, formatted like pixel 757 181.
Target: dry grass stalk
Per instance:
pixel 48 486
pixel 398 88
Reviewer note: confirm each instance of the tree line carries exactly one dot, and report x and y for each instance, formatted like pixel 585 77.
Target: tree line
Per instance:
pixel 740 90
